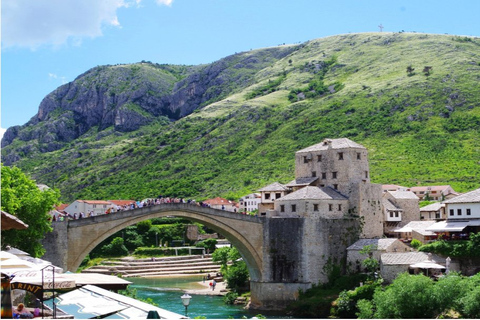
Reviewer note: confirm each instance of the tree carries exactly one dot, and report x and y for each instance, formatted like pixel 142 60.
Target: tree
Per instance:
pixel 410 70
pixel 408 297
pixel 22 198
pixel 209 244
pixel 371 264
pixel 427 70
pixel 115 249
pixel 221 255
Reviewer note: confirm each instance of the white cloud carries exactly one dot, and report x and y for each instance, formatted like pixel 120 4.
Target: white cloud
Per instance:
pixel 55 77
pixel 2 132
pixel 164 2
pixel 27 23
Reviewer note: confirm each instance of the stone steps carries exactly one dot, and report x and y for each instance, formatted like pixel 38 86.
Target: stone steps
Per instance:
pixel 161 266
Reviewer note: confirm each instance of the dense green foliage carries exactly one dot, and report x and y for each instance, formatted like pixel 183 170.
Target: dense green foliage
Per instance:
pixel 458 248
pixel 418 129
pixel 233 268
pixel 419 297
pixel 22 198
pixel 317 301
pixel 144 239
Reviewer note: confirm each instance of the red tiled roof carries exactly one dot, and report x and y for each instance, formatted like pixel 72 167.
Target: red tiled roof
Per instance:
pixel 219 201
pixel 94 201
pixel 121 202
pixel 61 206
pixel 429 188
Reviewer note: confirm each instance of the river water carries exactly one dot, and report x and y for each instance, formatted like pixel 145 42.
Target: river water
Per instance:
pixel 166 292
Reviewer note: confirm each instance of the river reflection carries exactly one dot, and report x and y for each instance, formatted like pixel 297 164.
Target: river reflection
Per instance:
pixel 166 292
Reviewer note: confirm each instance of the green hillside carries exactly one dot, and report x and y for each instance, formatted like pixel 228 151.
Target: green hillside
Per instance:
pixel 420 126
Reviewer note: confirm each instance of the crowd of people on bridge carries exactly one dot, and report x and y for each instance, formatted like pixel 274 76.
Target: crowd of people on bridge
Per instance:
pixel 132 206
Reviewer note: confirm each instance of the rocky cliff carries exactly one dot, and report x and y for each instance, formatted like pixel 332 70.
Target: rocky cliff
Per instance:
pixel 127 97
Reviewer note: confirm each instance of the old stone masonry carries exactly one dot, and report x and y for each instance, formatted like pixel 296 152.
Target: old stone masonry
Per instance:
pixel 311 220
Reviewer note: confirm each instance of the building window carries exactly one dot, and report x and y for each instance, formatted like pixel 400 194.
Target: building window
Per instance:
pixel 340 156
pixel 282 208
pixel 315 207
pixel 294 208
pixel 322 185
pixel 278 195
pixel 324 175
pixel 468 212
pixel 451 212
pixel 359 156
pixel 334 175
pixel 267 196
pixel 459 212
pixel 319 158
pixel 94 205
pixel 305 160
pixel 396 214
pixel 391 214
pixel 366 174
pixel 330 207
pixel 314 174
pixel 339 207
pixel 335 186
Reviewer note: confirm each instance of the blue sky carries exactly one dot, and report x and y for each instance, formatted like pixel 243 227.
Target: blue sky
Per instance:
pixel 47 43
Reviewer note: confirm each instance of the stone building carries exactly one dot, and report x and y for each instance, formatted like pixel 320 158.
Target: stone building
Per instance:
pixel 400 208
pixel 269 193
pixel 378 247
pixel 342 165
pixel 314 218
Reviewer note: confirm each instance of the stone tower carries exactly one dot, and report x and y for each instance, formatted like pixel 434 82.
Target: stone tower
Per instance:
pixel 342 164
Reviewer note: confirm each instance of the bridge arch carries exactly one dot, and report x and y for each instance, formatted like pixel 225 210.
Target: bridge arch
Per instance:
pixel 244 232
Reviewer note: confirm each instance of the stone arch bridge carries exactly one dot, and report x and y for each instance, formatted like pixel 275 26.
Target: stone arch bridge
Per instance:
pixel 281 254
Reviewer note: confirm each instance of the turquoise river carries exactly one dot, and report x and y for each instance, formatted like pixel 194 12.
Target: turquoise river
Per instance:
pixel 166 293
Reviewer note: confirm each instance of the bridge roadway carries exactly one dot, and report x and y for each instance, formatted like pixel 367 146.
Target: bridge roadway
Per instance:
pixel 245 232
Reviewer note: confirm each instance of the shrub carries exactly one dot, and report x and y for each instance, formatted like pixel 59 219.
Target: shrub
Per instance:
pixel 230 297
pixel 415 243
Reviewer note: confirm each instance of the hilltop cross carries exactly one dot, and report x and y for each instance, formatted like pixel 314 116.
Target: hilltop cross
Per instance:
pixel 381 27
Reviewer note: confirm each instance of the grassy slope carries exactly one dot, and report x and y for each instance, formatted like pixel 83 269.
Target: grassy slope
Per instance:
pixel 238 145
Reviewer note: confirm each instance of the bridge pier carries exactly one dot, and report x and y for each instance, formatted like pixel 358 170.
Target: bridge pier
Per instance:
pixel 274 295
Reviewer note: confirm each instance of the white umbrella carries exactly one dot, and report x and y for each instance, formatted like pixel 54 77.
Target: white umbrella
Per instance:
pixel 4 255
pixel 427 265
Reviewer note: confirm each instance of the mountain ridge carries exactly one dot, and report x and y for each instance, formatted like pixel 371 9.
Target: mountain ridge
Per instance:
pixel 265 105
